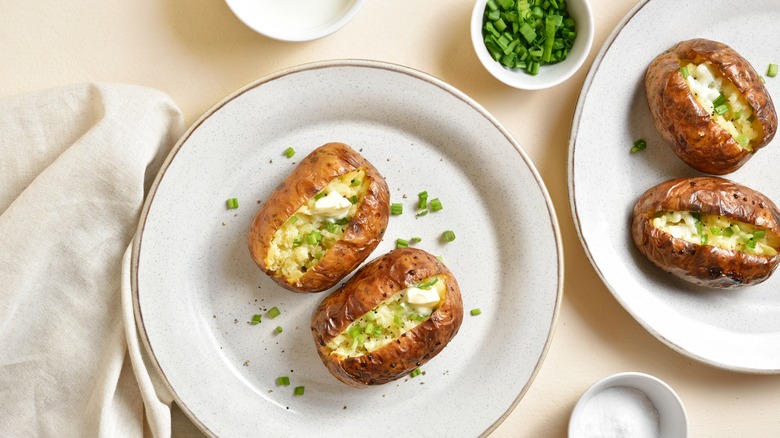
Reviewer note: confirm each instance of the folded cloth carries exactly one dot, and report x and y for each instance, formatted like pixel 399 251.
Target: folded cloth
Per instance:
pixel 75 165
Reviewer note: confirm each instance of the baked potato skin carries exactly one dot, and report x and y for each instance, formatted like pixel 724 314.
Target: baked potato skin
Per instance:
pixel 364 232
pixel 687 127
pixel 705 265
pixel 372 284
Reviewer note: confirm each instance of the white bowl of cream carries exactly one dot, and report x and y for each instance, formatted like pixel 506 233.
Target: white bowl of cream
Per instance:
pixel 300 20
pixel 634 405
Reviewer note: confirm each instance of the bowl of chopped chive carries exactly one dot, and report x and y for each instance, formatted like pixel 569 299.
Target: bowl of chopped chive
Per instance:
pixel 532 44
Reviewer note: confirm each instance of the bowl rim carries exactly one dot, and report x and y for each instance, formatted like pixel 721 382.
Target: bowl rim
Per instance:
pixel 518 79
pixel 628 379
pixel 300 36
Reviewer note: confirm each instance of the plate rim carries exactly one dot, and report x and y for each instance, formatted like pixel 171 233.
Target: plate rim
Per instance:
pixel 578 113
pixel 316 65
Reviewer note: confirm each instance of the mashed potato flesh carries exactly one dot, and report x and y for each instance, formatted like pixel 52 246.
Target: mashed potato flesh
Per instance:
pixel 717 231
pixel 304 239
pixel 721 99
pixel 386 322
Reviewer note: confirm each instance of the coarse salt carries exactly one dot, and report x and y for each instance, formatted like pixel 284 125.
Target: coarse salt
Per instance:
pixel 617 412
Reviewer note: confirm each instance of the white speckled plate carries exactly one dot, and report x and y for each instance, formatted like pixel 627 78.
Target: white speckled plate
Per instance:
pixel 735 330
pixel 196 287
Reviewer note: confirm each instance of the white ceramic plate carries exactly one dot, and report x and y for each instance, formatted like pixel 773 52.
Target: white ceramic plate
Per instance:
pixel 196 287
pixel 736 330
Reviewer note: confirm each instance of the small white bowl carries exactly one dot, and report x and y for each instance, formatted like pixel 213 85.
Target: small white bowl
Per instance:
pixel 549 75
pixel 627 400
pixel 301 20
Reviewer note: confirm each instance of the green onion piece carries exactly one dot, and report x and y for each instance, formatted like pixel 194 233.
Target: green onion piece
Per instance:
pixel 716 231
pixel 370 327
pixel 256 319
pixel 331 227
pixel 298 390
pixel 476 311
pixel 355 182
pixel 448 236
pixel 398 321
pixel 298 241
pixel 273 312
pixel 722 109
pixel 416 372
pixel 278 329
pixel 355 331
pixel 319 196
pixel 401 243
pixel 751 244
pixel 742 140
pixel 758 235
pixel 436 204
pixel 396 209
pixel 353 199
pixel 343 221
pixel 428 284
pixel 293 219
pixel 417 317
pixel 704 239
pixel 289 152
pixel 720 100
pixel 422 200
pixel 283 381
pixel 414 240
pixel 771 71
pixel 371 316
pixel 684 72
pixel 232 203
pixel 639 145
pixel 728 232
pixel 527 32
pixel 735 228
pixel 551 23
pixel 422 213
pixel 311 238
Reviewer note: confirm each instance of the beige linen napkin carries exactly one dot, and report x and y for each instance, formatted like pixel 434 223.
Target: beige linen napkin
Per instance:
pixel 75 165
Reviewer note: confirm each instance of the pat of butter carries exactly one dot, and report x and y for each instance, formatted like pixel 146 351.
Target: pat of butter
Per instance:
pixel 422 299
pixel 332 206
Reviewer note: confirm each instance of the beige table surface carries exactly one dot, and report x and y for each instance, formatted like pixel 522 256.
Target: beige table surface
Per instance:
pixel 197 51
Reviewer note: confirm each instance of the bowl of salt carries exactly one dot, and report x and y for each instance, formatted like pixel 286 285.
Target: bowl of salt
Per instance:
pixel 629 404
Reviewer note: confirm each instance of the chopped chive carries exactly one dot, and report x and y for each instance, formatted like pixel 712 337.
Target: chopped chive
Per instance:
pixel 319 196
pixel 728 232
pixel 298 241
pixel 414 240
pixel 398 321
pixel 273 312
pixel 436 204
pixel 421 213
pixel 448 236
pixel 353 199
pixel 289 152
pixel 720 100
pixel 751 244
pixel 256 319
pixel 401 243
pixel 293 219
pixel 684 72
pixel 355 182
pixel 278 329
pixel 704 239
pixel 758 235
pixel 416 372
pixel 298 390
pixel 396 209
pixel 771 71
pixel 476 311
pixel 639 145
pixel 283 381
pixel 422 200
pixel 428 284
pixel 330 227
pixel 343 221
pixel 722 109
pixel 232 203
pixel 716 231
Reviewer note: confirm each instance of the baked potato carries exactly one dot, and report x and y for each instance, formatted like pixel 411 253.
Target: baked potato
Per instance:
pixel 709 105
pixel 322 221
pixel 396 313
pixel 709 231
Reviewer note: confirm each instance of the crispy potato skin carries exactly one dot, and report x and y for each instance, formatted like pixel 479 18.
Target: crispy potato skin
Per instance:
pixel 690 131
pixel 705 265
pixel 364 232
pixel 371 285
